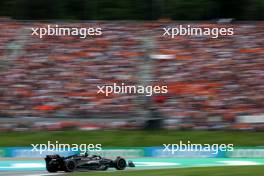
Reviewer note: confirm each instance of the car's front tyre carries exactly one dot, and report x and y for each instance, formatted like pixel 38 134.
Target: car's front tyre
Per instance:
pixel 120 163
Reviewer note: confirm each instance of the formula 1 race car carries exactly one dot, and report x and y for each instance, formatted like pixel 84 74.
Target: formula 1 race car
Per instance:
pixel 55 163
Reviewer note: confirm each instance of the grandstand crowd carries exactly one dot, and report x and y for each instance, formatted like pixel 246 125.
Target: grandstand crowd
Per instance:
pixel 58 76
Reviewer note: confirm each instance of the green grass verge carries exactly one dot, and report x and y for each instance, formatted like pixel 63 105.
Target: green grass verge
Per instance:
pixel 127 138
pixel 207 171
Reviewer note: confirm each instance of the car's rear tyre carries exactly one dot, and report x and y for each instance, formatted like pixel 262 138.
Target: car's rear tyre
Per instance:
pixel 51 167
pixel 70 166
pixel 120 163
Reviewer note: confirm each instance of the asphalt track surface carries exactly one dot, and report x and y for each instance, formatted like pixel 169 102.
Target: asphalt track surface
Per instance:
pixel 37 167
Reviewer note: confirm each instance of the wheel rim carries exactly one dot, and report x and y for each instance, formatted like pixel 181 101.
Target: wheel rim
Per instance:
pixel 121 163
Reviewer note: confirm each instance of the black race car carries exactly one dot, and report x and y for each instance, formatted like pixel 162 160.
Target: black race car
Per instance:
pixel 55 163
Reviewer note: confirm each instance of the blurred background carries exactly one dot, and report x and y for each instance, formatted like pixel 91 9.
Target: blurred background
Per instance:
pixel 48 86
pixel 51 83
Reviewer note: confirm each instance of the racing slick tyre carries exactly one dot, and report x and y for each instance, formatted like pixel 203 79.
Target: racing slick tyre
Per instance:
pixel 120 163
pixel 52 167
pixel 70 166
